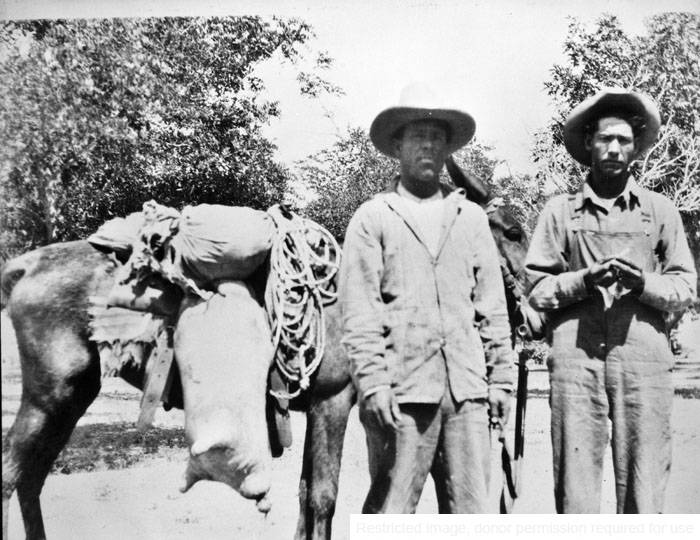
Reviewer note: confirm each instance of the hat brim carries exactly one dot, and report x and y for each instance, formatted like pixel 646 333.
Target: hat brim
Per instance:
pixel 389 121
pixel 604 104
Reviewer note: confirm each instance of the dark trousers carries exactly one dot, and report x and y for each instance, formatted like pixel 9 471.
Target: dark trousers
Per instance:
pixel 448 440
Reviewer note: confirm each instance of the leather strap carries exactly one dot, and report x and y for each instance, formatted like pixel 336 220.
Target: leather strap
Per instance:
pixel 158 378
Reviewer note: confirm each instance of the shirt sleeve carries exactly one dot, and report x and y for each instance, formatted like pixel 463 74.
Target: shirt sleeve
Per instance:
pixel 550 283
pixel 361 304
pixel 674 288
pixel 491 312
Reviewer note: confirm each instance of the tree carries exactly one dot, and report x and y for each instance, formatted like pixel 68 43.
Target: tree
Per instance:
pixel 353 170
pixel 342 177
pixel 521 194
pixel 98 116
pixel 663 63
pixel 524 196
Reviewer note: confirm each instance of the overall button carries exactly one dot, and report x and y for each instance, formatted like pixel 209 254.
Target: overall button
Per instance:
pixel 443 342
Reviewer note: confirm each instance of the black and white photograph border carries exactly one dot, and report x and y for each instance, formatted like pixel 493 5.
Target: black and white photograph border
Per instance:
pixel 496 60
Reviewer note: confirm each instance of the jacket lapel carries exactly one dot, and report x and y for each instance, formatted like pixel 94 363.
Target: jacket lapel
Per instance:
pixel 398 205
pixel 452 200
pixel 451 210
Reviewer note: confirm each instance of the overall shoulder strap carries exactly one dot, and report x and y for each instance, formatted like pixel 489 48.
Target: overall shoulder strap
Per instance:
pixel 575 206
pixel 647 216
pixel 574 217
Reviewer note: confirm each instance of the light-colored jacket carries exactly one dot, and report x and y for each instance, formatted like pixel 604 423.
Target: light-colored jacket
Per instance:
pixel 402 306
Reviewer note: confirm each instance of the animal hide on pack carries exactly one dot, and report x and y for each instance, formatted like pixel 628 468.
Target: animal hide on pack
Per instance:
pixel 118 235
pixel 123 336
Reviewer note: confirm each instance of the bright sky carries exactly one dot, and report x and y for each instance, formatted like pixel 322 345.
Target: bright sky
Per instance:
pixel 489 58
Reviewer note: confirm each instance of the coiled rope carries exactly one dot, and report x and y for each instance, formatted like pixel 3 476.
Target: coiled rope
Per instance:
pixel 304 261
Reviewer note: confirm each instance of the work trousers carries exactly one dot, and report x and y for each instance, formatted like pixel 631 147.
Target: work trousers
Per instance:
pixel 632 389
pixel 448 440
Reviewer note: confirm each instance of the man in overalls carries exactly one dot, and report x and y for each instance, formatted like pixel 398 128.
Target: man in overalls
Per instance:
pixel 605 264
pixel 424 319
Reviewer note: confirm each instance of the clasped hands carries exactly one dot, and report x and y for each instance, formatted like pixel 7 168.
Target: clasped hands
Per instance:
pixel 610 270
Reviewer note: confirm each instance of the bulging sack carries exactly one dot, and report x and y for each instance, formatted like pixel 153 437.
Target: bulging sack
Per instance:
pixel 224 351
pixel 217 242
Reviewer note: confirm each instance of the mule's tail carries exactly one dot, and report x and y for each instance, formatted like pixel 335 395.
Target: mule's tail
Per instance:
pixel 10 273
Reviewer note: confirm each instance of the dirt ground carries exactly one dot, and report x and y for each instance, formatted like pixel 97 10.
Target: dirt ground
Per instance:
pixel 141 499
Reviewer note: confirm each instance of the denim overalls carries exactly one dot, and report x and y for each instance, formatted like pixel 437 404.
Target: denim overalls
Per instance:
pixel 610 364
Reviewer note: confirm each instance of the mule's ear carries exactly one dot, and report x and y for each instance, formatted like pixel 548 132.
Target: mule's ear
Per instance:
pixel 476 190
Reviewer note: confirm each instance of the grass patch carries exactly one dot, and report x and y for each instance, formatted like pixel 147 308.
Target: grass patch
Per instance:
pixel 688 393
pixel 116 446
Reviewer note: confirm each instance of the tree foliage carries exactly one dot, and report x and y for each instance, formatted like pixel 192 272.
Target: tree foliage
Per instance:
pixel 98 116
pixel 344 176
pixel 524 195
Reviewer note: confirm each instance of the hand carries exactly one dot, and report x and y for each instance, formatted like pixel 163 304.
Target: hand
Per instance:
pixel 499 406
pixel 602 273
pixel 629 274
pixel 382 409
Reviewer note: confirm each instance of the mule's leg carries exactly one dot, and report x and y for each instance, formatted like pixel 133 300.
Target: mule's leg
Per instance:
pixel 326 420
pixel 53 399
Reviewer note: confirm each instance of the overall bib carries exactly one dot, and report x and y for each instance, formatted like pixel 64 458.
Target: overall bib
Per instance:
pixel 610 364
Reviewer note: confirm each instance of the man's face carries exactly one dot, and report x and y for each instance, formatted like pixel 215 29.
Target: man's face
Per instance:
pixel 611 146
pixel 422 150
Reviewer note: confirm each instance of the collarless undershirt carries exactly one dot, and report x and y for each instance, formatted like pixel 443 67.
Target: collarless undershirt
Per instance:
pixel 427 213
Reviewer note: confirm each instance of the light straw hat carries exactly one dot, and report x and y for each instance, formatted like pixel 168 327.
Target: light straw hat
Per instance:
pixel 419 102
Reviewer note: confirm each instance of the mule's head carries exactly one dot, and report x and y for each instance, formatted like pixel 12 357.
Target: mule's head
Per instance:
pixel 512 243
pixel 511 239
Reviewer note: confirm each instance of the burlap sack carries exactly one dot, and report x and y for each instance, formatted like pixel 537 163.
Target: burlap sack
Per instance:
pixel 217 242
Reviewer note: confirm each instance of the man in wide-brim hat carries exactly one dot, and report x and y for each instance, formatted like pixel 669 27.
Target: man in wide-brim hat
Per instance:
pixel 605 264
pixel 424 318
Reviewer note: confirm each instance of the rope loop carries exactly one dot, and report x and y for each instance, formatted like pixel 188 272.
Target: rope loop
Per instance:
pixel 304 261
